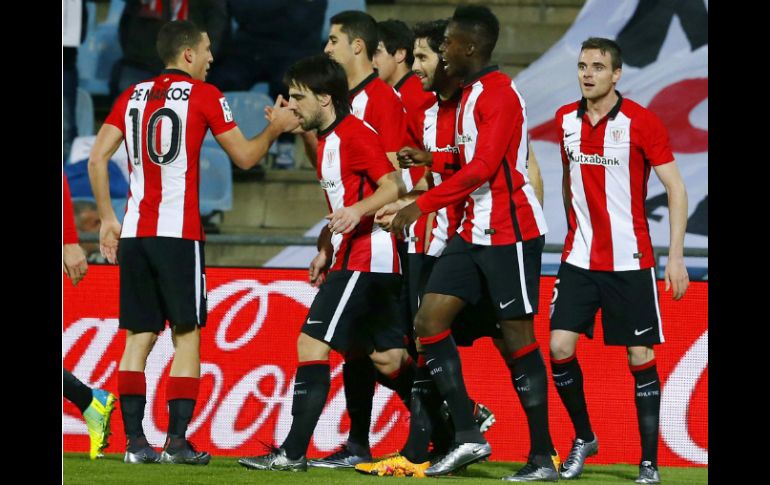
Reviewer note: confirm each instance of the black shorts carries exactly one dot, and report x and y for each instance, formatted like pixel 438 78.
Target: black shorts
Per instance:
pixel 473 322
pixel 509 275
pixel 628 300
pixel 161 278
pixel 355 308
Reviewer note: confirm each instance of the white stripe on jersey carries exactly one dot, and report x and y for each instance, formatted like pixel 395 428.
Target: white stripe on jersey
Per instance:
pixel 382 251
pixel 657 306
pixel 173 180
pixel 135 161
pixel 617 188
pixel 580 255
pixel 341 306
pixel 439 240
pixel 358 105
pixel 482 197
pixel 482 210
pixel 331 173
pixel 407 178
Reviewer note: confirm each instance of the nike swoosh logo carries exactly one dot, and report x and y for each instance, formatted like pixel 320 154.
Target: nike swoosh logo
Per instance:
pixel 299 383
pixel 425 380
pixel 645 385
pixel 311 322
pixel 429 360
pixel 505 305
pixel 567 135
pixel 517 378
pixel 477 451
pixel 562 374
pixel 637 332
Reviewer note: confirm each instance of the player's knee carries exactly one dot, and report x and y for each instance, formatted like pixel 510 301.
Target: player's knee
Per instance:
pixel 309 348
pixel 640 355
pixel 561 349
pixel 387 361
pixel 518 332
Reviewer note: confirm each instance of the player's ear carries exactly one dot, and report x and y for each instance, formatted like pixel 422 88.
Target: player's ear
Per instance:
pixel 188 54
pixel 325 99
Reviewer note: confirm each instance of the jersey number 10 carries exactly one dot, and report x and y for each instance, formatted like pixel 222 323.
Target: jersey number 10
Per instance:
pixel 153 125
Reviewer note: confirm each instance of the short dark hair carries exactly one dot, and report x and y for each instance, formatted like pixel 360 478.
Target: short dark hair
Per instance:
pixel 358 25
pixel 396 35
pixel 482 24
pixel 175 36
pixel 605 46
pixel 322 75
pixel 433 31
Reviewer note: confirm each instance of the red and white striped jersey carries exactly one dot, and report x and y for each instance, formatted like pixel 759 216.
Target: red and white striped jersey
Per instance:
pixel 163 121
pixel 433 130
pixel 491 134
pixel 609 165
pixel 351 161
pixel 378 104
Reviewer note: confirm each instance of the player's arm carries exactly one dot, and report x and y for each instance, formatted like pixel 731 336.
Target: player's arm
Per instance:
pixel 73 257
pixel 676 272
pixel 247 153
pixel 107 142
pixel 566 192
pixel 389 188
pixel 533 173
pixel 319 266
pixel 384 216
pixel 500 122
pixel 310 142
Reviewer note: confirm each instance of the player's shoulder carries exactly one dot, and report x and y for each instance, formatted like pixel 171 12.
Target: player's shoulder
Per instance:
pixel 567 108
pixel 643 116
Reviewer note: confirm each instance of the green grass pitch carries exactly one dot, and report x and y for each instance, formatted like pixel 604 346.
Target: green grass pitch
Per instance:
pixel 78 469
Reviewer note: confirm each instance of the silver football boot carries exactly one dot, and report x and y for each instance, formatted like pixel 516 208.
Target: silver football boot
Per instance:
pixel 572 467
pixel 143 456
pixel 647 473
pixel 275 460
pixel 461 455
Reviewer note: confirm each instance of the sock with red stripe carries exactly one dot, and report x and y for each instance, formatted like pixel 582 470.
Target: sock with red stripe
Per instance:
pixel 568 378
pixel 529 380
pixel 311 388
pixel 359 377
pixel 444 366
pixel 647 390
pixel 181 394
pixel 132 388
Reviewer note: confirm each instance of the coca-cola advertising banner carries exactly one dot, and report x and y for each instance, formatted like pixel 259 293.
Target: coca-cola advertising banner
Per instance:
pixel 249 357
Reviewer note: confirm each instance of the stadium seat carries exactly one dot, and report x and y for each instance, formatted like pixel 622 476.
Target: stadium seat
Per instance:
pixel 84 113
pixel 336 6
pixel 262 88
pixel 96 56
pixel 249 112
pixel 216 181
pixel 115 12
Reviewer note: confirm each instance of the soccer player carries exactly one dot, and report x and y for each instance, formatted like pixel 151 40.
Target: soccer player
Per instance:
pixel 608 146
pixel 162 272
pixel 96 405
pixel 353 38
pixel 495 253
pixel 358 300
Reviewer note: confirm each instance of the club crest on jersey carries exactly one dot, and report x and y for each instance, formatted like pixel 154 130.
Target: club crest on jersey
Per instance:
pixel 226 110
pixel 617 134
pixel 330 154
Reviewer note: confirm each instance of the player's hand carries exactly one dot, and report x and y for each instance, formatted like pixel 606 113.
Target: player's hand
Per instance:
pixel 404 218
pixel 281 116
pixel 676 276
pixel 319 266
pixel 344 220
pixel 74 262
pixel 109 234
pixel 409 157
pixel 385 215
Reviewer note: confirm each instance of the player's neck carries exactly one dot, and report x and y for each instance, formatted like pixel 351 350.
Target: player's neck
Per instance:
pixel 399 74
pixel 178 68
pixel 449 89
pixel 359 70
pixel 328 117
pixel 598 108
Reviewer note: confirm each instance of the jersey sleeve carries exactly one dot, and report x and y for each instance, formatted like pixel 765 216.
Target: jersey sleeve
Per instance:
pixel 657 149
pixel 499 121
pixel 388 117
pixel 367 157
pixel 117 116
pixel 216 110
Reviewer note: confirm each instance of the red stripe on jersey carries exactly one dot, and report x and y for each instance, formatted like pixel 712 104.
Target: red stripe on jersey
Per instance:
pixel 639 174
pixel 592 143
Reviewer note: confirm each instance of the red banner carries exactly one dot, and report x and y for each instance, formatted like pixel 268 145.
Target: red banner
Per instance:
pixel 248 354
